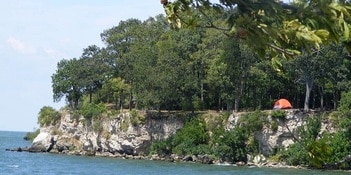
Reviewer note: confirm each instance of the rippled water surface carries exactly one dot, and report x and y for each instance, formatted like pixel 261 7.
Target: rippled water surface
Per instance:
pixel 12 163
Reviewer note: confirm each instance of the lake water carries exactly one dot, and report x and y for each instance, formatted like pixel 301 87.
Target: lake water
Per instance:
pixel 12 163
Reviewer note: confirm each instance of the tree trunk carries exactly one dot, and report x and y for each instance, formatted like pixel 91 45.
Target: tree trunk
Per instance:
pixel 130 101
pixel 219 103
pixel 90 96
pixel 309 86
pixel 202 92
pixel 321 93
pixel 335 101
pixel 121 99
pixel 236 104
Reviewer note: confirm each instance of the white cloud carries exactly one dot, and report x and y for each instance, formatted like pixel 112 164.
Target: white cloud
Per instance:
pixel 20 46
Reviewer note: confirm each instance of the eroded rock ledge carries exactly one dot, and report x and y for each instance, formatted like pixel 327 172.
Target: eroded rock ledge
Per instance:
pixel 115 136
pixel 120 136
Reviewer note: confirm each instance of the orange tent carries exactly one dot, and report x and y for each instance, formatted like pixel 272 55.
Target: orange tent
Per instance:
pixel 282 104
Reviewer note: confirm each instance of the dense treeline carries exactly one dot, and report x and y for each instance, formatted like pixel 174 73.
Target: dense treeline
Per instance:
pixel 149 65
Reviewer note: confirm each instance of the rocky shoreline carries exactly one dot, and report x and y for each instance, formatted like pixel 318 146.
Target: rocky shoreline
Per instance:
pixel 203 159
pixel 120 137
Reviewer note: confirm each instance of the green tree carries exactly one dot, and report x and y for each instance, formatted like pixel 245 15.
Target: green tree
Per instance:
pixel 145 53
pixel 176 74
pixel 334 71
pixel 93 70
pixel 116 89
pixel 238 59
pixel 270 27
pixel 205 59
pixel 119 41
pixel 67 82
pixel 48 116
pixel 322 66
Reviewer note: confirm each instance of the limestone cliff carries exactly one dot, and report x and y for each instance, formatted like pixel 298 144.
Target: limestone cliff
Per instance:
pixel 117 135
pixel 122 134
pixel 281 133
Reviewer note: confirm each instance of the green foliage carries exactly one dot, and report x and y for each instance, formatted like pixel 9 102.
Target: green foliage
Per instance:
pixel 321 151
pixel 160 147
pixel 270 28
pixel 91 110
pixel 75 115
pixel 296 154
pixel 231 145
pixel 125 124
pixel 215 122
pixel 198 104
pixel 279 114
pixel 308 150
pixel 253 121
pixel 48 116
pixel 192 139
pixel 66 82
pixel 31 135
pixel 114 89
pixel 310 132
pixel 345 102
pixel 193 134
pixel 136 118
pixel 340 145
pixel 147 65
pixel 274 126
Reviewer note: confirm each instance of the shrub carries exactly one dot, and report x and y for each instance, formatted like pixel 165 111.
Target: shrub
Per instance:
pixel 193 138
pixel 48 116
pixel 75 116
pixel 31 135
pixel 195 131
pixel 136 118
pixel 231 145
pixel 309 150
pixel 274 126
pixel 91 110
pixel 345 101
pixel 253 121
pixel 202 149
pixel 310 132
pixel 198 103
pixel 296 154
pixel 340 145
pixel 279 114
pixel 125 124
pixel 214 122
pixel 161 147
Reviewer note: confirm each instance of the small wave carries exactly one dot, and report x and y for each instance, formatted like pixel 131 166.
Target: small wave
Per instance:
pixel 226 164
pixel 13 166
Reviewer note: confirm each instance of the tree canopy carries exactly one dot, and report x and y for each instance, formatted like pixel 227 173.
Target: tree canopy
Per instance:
pixel 151 65
pixel 273 28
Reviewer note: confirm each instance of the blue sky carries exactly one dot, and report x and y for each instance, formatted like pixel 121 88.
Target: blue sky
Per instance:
pixel 36 34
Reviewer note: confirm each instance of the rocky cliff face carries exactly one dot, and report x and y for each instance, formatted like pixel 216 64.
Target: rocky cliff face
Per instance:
pixel 280 133
pixel 122 135
pixel 119 135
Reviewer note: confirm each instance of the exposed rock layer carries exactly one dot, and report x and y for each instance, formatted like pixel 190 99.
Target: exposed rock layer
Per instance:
pixel 120 136
pixel 113 136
